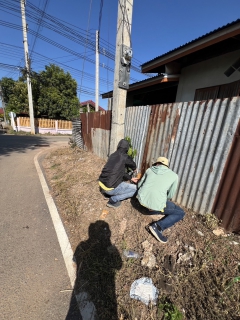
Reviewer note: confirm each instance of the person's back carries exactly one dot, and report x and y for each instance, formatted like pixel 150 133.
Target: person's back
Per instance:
pixel 113 172
pixel 156 188
pixel 113 175
pixel 158 184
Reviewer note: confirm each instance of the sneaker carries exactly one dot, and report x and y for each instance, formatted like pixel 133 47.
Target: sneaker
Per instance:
pixel 157 232
pixel 112 204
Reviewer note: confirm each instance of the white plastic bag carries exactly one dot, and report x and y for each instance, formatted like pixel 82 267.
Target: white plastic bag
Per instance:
pixel 144 290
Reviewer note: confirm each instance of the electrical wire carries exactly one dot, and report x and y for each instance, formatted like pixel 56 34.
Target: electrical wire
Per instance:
pixel 100 17
pixel 60 46
pixel 84 89
pixel 38 28
pixel 57 26
pixel 89 14
pixel 11 51
pixel 72 33
pixel 124 14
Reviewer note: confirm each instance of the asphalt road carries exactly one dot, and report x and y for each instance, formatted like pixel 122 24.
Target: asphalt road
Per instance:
pixel 34 283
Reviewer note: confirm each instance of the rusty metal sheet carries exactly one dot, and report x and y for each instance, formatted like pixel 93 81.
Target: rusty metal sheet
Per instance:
pixel 160 141
pixel 227 202
pixel 96 140
pixel 196 137
pixel 201 150
pixel 136 127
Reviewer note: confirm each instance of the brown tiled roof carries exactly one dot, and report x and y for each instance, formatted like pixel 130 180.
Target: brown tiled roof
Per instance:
pixel 91 103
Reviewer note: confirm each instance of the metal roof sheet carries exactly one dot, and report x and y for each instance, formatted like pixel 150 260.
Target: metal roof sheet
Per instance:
pixel 195 40
pixel 145 81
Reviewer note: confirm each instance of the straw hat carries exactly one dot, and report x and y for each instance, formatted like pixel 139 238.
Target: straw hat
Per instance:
pixel 163 160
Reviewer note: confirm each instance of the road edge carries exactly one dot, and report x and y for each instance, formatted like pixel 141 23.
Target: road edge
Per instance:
pixel 62 237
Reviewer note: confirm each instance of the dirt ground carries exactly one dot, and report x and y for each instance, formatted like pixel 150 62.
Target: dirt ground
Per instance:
pixel 196 272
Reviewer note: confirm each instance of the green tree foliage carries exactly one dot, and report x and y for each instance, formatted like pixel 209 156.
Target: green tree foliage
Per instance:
pixel 58 94
pixel 54 93
pixel 7 85
pixel 18 99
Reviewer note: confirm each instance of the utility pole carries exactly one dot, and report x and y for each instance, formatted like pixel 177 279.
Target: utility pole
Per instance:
pixel 3 105
pixel 27 63
pixel 97 72
pixel 123 57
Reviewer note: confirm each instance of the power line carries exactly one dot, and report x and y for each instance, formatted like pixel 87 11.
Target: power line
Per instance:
pixel 11 50
pixel 17 27
pixel 89 14
pixel 17 68
pixel 100 17
pixel 69 33
pixel 39 25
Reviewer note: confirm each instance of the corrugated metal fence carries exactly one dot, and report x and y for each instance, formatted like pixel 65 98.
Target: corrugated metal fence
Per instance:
pixel 227 200
pixel 96 128
pixel 195 136
pixel 77 133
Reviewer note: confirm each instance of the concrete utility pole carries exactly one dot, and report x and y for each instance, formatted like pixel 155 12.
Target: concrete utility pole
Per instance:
pixel 97 72
pixel 3 105
pixel 122 71
pixel 27 62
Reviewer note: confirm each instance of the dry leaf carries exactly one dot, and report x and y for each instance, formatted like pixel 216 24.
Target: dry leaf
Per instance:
pixel 104 214
pixel 219 232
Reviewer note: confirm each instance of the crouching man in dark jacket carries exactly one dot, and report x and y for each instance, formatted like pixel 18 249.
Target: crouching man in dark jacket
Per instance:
pixel 113 179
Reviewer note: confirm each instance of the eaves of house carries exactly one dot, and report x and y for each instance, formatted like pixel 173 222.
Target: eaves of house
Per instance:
pixel 162 80
pixel 218 42
pixel 168 66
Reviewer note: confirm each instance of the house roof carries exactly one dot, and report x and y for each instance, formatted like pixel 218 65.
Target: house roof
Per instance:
pixel 91 103
pixel 1 111
pixel 159 79
pixel 217 42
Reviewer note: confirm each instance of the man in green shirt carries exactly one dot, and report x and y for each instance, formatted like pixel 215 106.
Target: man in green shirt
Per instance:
pixel 157 186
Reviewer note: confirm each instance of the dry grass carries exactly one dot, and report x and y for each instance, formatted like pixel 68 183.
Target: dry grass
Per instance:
pixel 201 286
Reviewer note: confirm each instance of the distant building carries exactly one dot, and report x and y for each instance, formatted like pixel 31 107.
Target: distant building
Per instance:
pixel 89 106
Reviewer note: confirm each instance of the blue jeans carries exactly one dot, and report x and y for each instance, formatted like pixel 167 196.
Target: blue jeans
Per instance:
pixel 173 214
pixel 123 191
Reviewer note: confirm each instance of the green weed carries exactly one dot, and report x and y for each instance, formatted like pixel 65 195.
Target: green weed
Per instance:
pixel 131 152
pixel 55 165
pixel 211 221
pixel 169 311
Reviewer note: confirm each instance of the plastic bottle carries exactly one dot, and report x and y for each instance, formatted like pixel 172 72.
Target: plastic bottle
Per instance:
pixel 131 254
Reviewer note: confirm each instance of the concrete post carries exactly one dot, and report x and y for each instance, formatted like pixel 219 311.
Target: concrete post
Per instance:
pixel 119 95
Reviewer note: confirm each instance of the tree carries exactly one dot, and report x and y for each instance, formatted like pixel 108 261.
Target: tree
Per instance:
pixel 7 85
pixel 18 99
pixel 58 94
pixel 54 93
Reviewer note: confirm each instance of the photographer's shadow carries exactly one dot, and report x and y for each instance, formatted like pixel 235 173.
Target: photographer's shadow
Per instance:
pixel 97 261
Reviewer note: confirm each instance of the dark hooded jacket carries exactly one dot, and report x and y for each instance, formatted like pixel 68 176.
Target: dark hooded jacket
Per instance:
pixel 113 172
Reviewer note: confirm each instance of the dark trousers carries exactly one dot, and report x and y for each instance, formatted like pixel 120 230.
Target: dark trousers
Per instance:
pixel 173 214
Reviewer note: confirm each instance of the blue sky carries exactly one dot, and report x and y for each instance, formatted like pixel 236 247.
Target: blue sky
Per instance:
pixel 158 26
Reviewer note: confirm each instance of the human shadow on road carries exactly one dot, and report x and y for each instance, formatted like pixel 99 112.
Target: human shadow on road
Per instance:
pixel 97 261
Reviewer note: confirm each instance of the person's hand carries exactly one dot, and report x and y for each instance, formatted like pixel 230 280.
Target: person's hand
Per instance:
pixel 134 180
